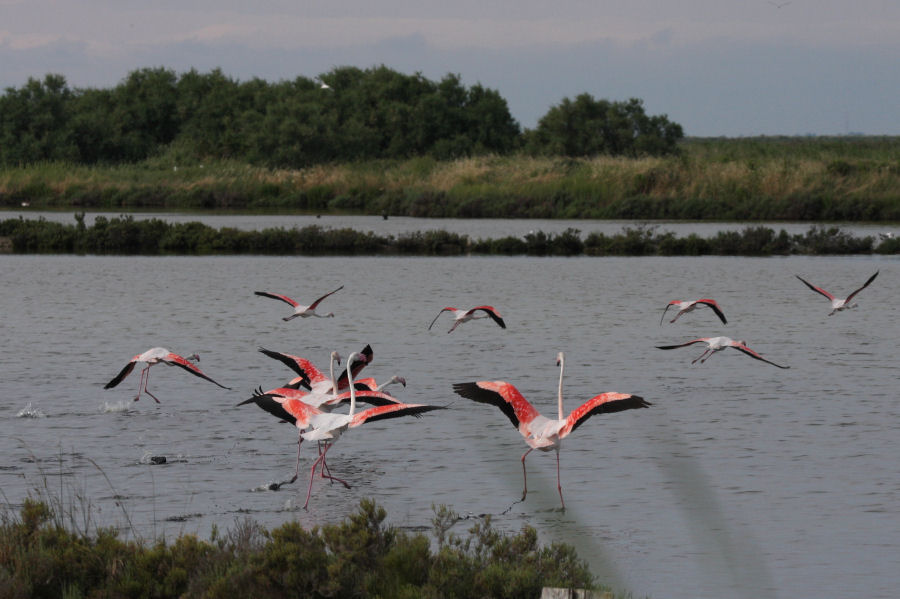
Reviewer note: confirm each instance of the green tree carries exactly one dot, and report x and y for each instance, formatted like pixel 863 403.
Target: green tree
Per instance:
pixel 586 127
pixel 34 122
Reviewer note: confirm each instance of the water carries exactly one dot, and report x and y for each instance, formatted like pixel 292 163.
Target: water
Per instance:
pixel 742 480
pixel 487 228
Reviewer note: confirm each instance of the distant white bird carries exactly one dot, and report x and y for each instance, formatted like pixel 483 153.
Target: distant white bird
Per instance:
pixel 461 316
pixel 715 344
pixel 324 86
pixel 299 309
pixel 837 304
pixel 155 356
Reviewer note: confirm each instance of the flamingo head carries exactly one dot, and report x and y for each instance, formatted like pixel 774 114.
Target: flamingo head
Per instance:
pixel 560 358
pixel 194 357
pixel 329 315
pixel 399 379
pixel 741 342
pixel 336 357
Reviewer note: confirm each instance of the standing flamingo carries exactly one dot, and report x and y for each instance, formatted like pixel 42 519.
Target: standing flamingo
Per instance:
pixel 689 306
pixel 312 378
pixel 837 304
pixel 715 344
pixel 299 309
pixel 461 316
pixel 154 356
pixel 328 427
pixel 539 431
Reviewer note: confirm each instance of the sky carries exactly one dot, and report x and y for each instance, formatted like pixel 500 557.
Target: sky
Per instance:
pixel 717 67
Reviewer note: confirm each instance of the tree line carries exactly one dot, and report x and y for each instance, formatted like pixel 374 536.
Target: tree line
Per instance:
pixel 348 114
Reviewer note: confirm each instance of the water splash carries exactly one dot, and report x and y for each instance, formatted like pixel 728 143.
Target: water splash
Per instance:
pixel 116 407
pixel 30 412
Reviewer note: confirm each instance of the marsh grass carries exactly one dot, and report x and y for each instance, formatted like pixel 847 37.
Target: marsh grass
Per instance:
pixel 822 179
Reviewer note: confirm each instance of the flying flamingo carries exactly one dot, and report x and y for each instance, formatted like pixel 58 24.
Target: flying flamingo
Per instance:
pixel 539 431
pixel 837 304
pixel 299 309
pixel 715 344
pixel 154 356
pixel 311 377
pixel 689 306
pixel 328 427
pixel 461 316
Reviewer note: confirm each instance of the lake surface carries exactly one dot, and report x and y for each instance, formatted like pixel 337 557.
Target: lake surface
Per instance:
pixel 742 480
pixel 486 228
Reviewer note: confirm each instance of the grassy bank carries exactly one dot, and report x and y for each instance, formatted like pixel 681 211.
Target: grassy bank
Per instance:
pixel 127 236
pixel 41 556
pixel 814 179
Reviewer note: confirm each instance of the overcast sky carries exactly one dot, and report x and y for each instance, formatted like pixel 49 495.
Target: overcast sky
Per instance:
pixel 717 67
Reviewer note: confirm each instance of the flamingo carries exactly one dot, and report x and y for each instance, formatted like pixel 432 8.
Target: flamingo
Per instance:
pixel 715 344
pixel 299 309
pixel 154 356
pixel 689 306
pixel 294 406
pixel 837 304
pixel 539 431
pixel 329 427
pixel 314 379
pixel 461 316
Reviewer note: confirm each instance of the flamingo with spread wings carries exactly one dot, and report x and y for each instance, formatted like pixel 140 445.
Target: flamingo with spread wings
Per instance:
pixel 838 304
pixel 686 306
pixel 328 427
pixel 539 431
pixel 461 316
pixel 299 309
pixel 155 356
pixel 715 344
pixel 315 380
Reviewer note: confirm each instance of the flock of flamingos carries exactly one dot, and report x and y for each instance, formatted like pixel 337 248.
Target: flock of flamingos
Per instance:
pixel 308 400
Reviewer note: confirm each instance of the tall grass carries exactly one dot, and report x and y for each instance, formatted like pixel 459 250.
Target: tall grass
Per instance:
pixel 815 179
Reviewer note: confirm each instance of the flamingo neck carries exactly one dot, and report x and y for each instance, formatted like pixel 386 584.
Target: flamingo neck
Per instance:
pixel 562 366
pixel 333 380
pixel 352 388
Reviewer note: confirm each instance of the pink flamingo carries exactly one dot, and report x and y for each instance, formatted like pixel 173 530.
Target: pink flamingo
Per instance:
pixel 837 304
pixel 328 427
pixel 315 380
pixel 715 344
pixel 299 309
pixel 539 431
pixel 155 356
pixel 461 316
pixel 689 306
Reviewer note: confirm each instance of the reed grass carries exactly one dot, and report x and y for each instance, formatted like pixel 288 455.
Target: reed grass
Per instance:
pixel 814 179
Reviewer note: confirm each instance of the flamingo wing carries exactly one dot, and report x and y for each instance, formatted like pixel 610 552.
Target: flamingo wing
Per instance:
pixel 122 374
pixel 375 398
pixel 313 305
pixel 605 403
pixel 817 289
pixel 872 278
pixel 396 410
pixel 272 403
pixel 502 395
pixel 755 355
pixel 176 360
pixel 355 367
pixel 715 308
pixel 448 308
pixel 693 341
pixel 277 296
pixel 366 384
pixel 490 311
pixel 303 367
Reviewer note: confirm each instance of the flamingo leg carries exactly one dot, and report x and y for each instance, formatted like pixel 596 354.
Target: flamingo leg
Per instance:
pixel 694 361
pixel 559 484
pixel 312 473
pixel 524 475
pixel 325 468
pixel 147 382
pixel 141 384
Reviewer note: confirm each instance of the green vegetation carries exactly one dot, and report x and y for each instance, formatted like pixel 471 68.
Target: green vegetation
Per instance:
pixel 127 236
pixel 40 556
pixel 371 114
pixel 753 179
